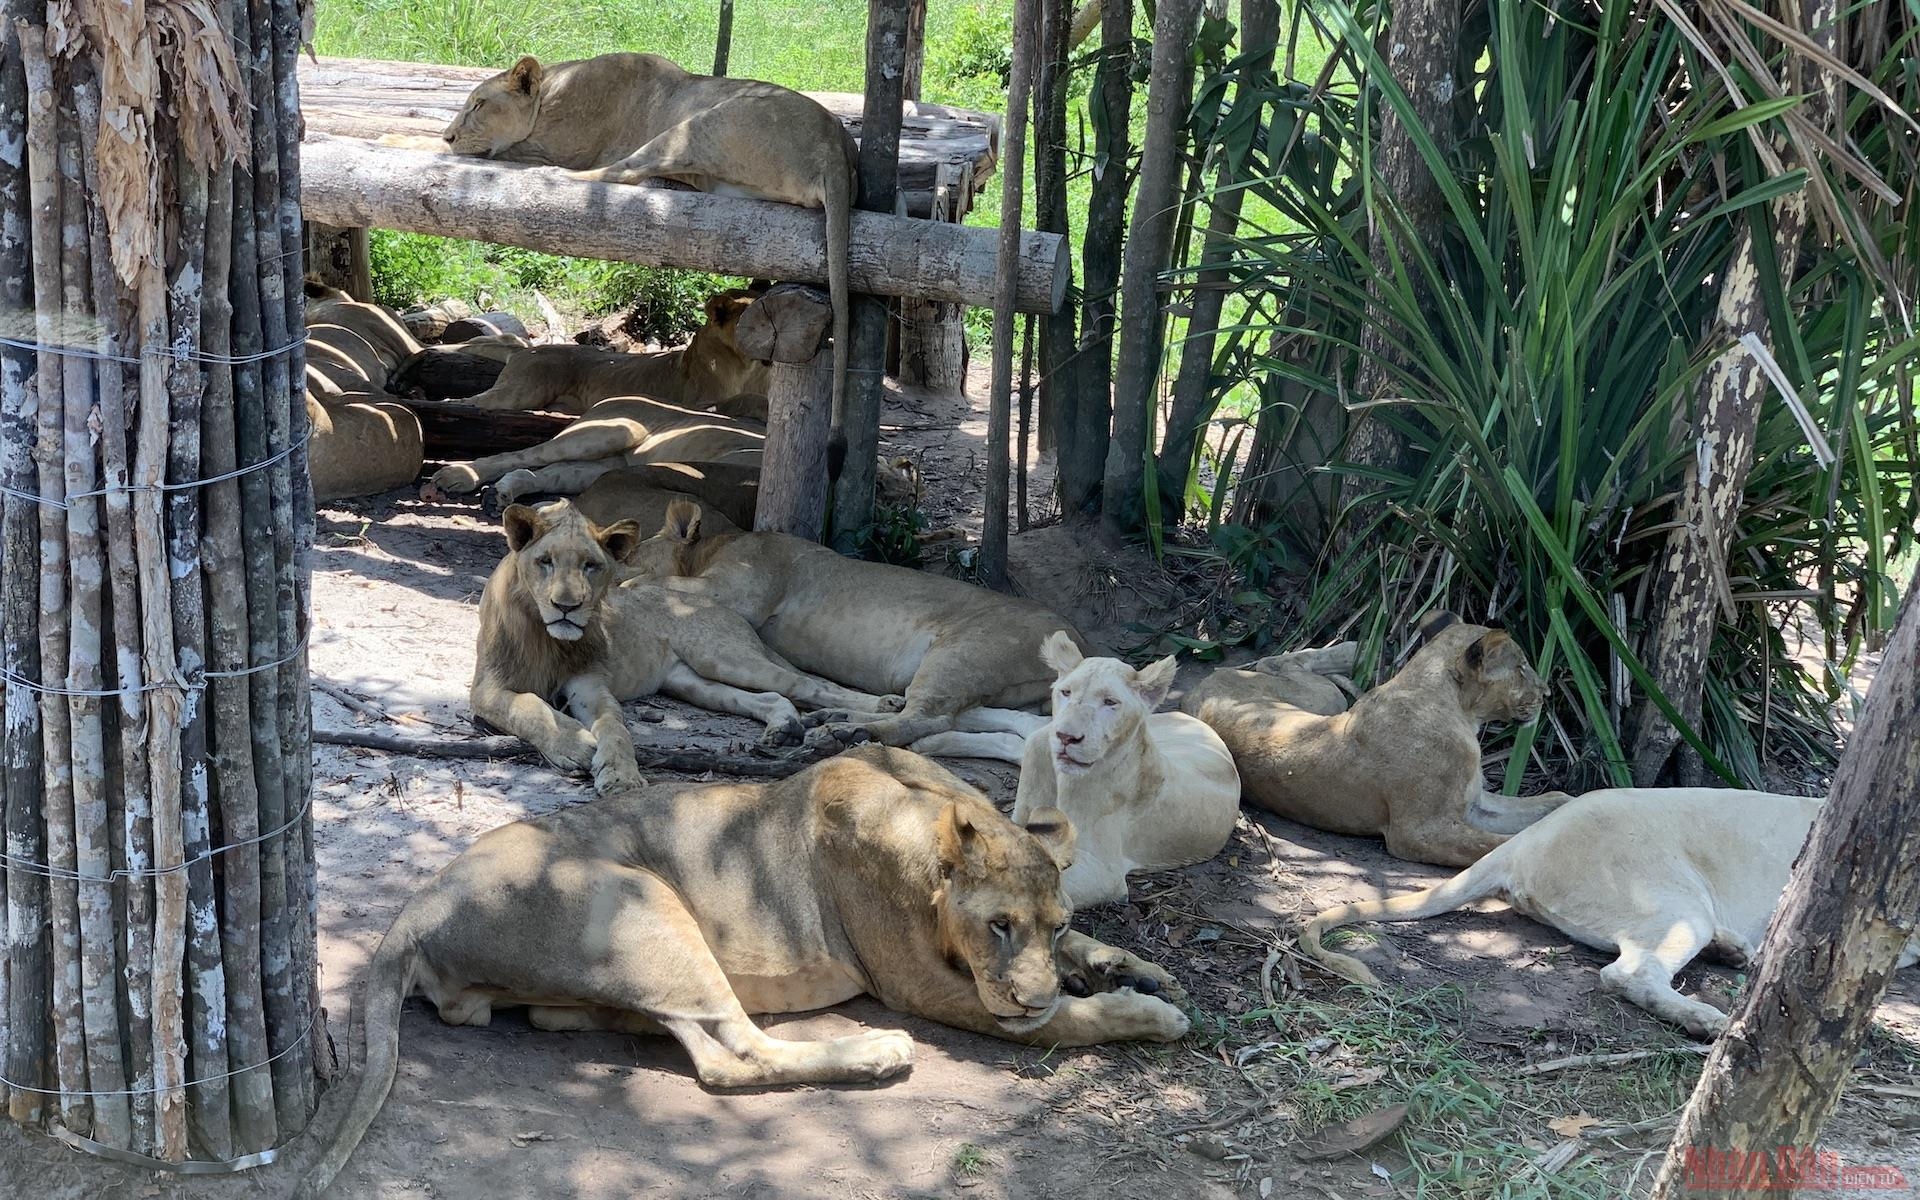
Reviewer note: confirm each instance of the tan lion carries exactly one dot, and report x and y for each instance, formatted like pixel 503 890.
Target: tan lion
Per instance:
pixel 1403 762
pixel 628 431
pixel 558 629
pixel 683 909
pixel 363 440
pixel 1145 790
pixel 630 118
pixel 727 494
pixel 709 372
pixel 1655 875
pixel 967 659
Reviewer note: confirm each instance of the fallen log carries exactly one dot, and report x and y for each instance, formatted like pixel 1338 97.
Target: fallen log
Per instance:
pixel 453 432
pixel 445 373
pixel 502 746
pixel 349 182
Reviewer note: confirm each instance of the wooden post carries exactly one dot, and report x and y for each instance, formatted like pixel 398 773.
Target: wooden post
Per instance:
pixel 859 425
pixel 723 41
pixel 788 327
pixel 933 335
pixel 915 68
pixel 993 534
pixel 1775 1075
pixel 1149 248
pixel 1057 348
pixel 340 258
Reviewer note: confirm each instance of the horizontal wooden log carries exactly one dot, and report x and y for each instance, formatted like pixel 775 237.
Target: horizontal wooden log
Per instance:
pixel 453 432
pixel 786 325
pixel 346 181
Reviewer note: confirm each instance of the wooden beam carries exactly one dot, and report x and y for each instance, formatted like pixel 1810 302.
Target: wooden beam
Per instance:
pixel 789 325
pixel 346 181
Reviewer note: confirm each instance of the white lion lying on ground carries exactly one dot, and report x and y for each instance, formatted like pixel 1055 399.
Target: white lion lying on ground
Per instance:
pixel 1654 874
pixel 1145 790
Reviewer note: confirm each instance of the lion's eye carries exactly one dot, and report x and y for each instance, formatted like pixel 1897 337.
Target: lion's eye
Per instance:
pixel 1000 928
pixel 1109 702
pixel 593 568
pixel 1066 693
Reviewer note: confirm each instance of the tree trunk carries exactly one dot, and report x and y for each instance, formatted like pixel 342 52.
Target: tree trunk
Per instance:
pixel 1690 589
pixel 1085 436
pixel 340 258
pixel 723 40
pixel 993 534
pixel 1775 1075
pixel 1193 394
pixel 1149 250
pixel 1057 356
pixel 348 182
pixel 787 327
pixel 915 67
pixel 113 870
pixel 1422 41
pixel 879 161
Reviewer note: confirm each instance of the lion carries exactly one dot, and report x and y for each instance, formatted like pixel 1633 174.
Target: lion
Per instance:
pixel 627 431
pixel 1403 762
pixel 966 659
pixel 362 440
pixel 682 909
pixel 1654 875
pixel 727 494
pixel 1147 791
pixel 559 627
pixel 708 373
pixel 633 118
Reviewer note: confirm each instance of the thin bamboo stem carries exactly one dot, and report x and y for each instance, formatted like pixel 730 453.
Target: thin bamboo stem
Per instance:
pixel 93 854
pixel 23 979
pixel 51 329
pixel 134 851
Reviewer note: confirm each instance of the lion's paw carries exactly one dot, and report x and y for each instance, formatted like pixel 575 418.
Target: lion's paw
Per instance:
pixel 515 484
pixel 823 716
pixel 457 479
pixel 1151 1019
pixel 832 739
pixel 783 731
pixel 1109 968
pixel 615 773
pixel 880 1055
pixel 891 704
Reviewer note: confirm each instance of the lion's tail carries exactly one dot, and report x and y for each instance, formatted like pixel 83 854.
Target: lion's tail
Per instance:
pixel 389 979
pixel 1484 878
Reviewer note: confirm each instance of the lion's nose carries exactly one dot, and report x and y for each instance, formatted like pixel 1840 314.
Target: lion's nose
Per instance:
pixel 1069 739
pixel 1026 1001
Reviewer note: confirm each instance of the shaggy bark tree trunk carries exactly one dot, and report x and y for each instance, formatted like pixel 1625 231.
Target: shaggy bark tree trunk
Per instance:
pixel 879 187
pixel 1193 398
pixel 1149 250
pixel 1086 435
pixel 1056 391
pixel 993 534
pixel 1775 1075
pixel 159 246
pixel 1422 41
pixel 1690 589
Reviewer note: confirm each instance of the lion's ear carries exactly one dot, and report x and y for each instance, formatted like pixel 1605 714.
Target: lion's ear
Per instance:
pixel 620 539
pixel 1055 832
pixel 522 524
pixel 1059 652
pixel 1153 681
pixel 1431 625
pixel 683 522
pixel 1493 655
pixel 958 839
pixel 717 307
pixel 524 76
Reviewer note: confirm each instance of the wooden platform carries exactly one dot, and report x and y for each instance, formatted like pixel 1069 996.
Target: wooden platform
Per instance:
pixel 366 98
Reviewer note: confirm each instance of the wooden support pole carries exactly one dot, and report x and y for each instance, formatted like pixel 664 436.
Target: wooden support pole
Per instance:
pixel 723 40
pixel 993 534
pixel 933 336
pixel 879 165
pixel 340 258
pixel 350 182
pixel 788 327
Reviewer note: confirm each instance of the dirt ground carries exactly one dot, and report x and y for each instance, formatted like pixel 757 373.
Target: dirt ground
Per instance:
pixel 1278 1050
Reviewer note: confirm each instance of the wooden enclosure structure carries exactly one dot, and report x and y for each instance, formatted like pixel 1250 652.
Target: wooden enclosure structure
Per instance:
pixel 369 160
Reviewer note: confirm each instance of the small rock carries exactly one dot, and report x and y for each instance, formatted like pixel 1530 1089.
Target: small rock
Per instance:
pixel 1319 1045
pixel 1209 1147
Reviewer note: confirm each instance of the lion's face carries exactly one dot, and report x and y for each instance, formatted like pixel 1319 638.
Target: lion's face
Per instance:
pixel 1497 683
pixel 565 562
pixel 499 113
pixel 1003 910
pixel 1098 703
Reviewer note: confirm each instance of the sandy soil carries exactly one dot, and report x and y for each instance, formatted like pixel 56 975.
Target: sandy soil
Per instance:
pixel 508 1112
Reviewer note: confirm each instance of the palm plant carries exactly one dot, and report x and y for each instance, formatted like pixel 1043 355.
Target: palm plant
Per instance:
pixel 1545 345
